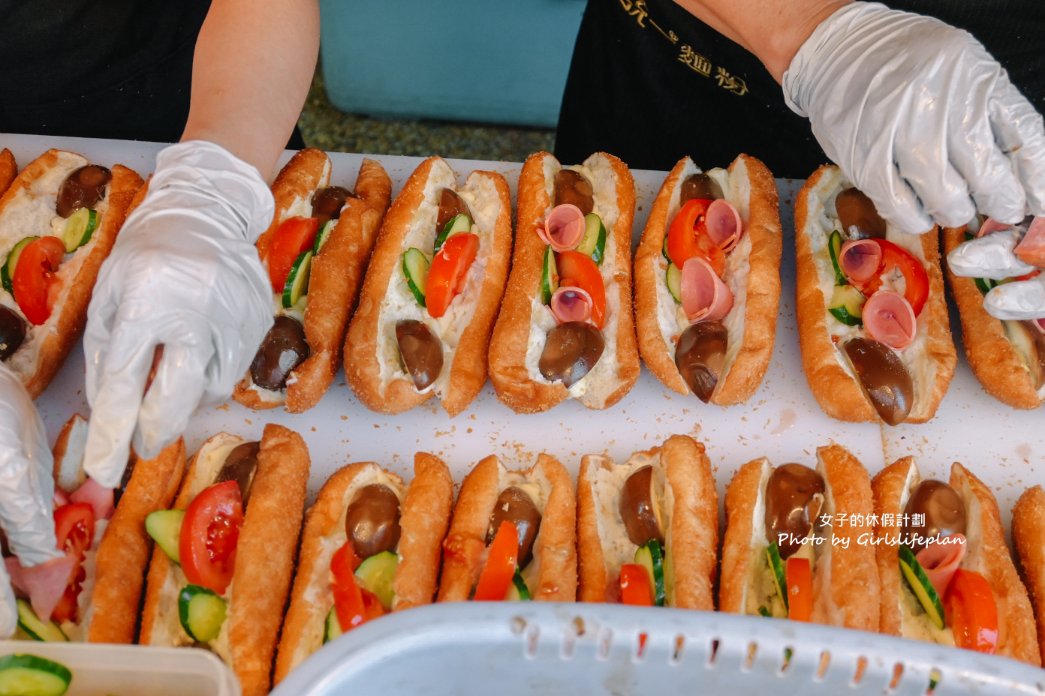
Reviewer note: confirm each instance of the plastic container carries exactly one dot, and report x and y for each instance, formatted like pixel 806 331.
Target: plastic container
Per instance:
pixel 479 649
pixel 132 670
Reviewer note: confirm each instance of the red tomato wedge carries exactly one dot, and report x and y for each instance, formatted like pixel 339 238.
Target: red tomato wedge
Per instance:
pixel 971 611
pixel 348 604
pixel 34 283
pixel 449 272
pixel 916 280
pixel 799 576
pixel 67 607
pixel 209 533
pixel 577 270
pixel 500 565
pixel 344 563
pixel 292 238
pixel 353 604
pixel 635 586
pixel 74 527
pixel 688 237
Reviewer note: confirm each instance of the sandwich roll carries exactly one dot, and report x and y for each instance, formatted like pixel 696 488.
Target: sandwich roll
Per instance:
pixel 390 532
pixel 522 520
pixel 566 329
pixel 1028 523
pixel 648 527
pixel 707 280
pixel 8 169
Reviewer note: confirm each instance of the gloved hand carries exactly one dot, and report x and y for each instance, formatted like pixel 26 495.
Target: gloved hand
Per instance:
pixel 26 488
pixel 183 274
pixel 920 117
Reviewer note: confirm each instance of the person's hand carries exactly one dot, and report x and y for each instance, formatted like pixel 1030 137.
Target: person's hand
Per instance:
pixel 26 493
pixel 920 117
pixel 184 275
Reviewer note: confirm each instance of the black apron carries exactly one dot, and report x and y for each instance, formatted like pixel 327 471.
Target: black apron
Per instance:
pixel 650 83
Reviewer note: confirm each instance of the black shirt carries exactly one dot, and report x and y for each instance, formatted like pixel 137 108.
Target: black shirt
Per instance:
pixel 650 83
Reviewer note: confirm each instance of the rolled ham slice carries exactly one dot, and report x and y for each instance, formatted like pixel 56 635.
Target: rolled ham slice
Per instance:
pixel 890 319
pixel 991 225
pixel 43 584
pixel 563 228
pixel 1040 323
pixel 723 224
pixel 571 304
pixel 1031 249
pixel 860 259
pixel 99 498
pixel 704 295
pixel 941 559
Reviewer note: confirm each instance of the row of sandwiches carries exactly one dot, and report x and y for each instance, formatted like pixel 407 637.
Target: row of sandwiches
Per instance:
pixel 417 299
pixel 232 569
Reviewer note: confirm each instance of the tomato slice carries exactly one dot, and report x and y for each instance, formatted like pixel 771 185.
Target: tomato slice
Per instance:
pixel 344 563
pixel 500 564
pixel 34 283
pixel 577 269
pixel 971 611
pixel 353 604
pixel 916 280
pixel 67 608
pixel 799 576
pixel 449 272
pixel 635 586
pixel 74 527
pixel 209 533
pixel 688 237
pixel 292 238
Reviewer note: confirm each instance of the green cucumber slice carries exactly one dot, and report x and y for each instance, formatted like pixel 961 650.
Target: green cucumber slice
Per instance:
pixel 415 268
pixel 593 243
pixel 78 229
pixel 664 249
pixel 847 305
pixel 518 591
pixel 36 628
pixel 834 247
pixel 201 612
pixel 549 276
pixel 164 526
pixel 458 223
pixel 29 675
pixel 776 566
pixel 919 583
pixel 673 278
pixel 297 281
pixel 762 611
pixel 377 574
pixel 7 271
pixel 323 236
pixel 651 557
pixel 331 627
pixel 985 285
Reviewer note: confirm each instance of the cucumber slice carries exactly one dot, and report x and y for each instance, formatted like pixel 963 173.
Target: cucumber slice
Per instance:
pixel 377 574
pixel 834 247
pixel 297 281
pixel 458 223
pixel 847 305
pixel 985 285
pixel 518 591
pixel 29 675
pixel 664 248
pixel 673 278
pixel 593 243
pixel 78 229
pixel 549 276
pixel 919 583
pixel 7 271
pixel 164 526
pixel 331 627
pixel 201 612
pixel 776 566
pixel 650 556
pixel 762 611
pixel 36 628
pixel 323 236
pixel 415 268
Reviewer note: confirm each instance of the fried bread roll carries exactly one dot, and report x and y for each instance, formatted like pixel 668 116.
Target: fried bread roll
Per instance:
pixel 1007 357
pixel 1028 522
pixel 240 621
pixel 946 573
pixel 795 532
pixel 431 292
pixel 872 322
pixel 536 509
pixel 8 169
pixel 396 531
pixel 722 353
pixel 60 215
pixel 664 497
pixel 566 329
pixel 315 283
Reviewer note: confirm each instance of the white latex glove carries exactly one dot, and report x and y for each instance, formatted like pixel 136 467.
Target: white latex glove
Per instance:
pixel 920 117
pixel 26 488
pixel 992 256
pixel 183 274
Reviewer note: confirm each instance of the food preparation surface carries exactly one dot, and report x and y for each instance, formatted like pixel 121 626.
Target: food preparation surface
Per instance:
pixel 781 421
